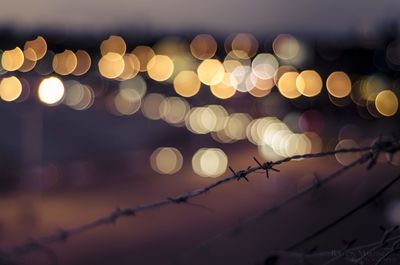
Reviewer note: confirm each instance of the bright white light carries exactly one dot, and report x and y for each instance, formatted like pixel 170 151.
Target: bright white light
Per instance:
pixel 51 91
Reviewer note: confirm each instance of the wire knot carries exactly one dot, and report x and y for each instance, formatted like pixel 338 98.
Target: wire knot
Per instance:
pixel 241 174
pixel 267 166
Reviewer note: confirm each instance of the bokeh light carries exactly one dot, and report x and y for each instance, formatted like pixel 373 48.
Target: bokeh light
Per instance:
pixel 387 103
pixel 203 46
pixel 51 90
pixel 287 85
pixel 160 67
pixel 83 63
pixel 211 72
pixel 209 162
pixel 144 55
pixel 64 63
pixel 166 160
pixel 111 65
pixel 114 44
pixel 10 88
pixel 338 84
pixel 347 158
pixel 39 45
pixel 187 84
pixel 12 60
pixel 309 83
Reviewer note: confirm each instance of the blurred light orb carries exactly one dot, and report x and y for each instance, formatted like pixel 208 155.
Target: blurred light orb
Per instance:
pixel 286 46
pixel 128 103
pixel 224 89
pixel 28 64
pixel 51 90
pixel 144 55
pixel 173 110
pixel 236 125
pixel 160 67
pixel 203 46
pixel 12 60
pixel 151 106
pixel 78 96
pixel 244 45
pixel 83 63
pixel 39 45
pixel 64 63
pixel 264 65
pixel 211 72
pixel 10 88
pixel 166 160
pixel 137 83
pixel 309 83
pixel 209 162
pixel 187 84
pixel 338 84
pixel 240 78
pixel 131 67
pixel 347 158
pixel 386 102
pixel 201 120
pixel 287 85
pixel 114 44
pixel 111 65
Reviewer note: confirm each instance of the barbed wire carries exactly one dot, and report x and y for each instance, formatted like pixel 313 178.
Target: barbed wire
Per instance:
pixel 370 157
pixel 62 235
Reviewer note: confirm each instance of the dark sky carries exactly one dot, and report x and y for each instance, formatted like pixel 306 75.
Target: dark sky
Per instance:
pixel 257 16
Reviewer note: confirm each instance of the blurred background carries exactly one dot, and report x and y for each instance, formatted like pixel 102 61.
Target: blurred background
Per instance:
pixel 108 104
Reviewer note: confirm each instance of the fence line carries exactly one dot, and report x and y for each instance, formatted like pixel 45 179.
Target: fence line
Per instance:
pixel 63 234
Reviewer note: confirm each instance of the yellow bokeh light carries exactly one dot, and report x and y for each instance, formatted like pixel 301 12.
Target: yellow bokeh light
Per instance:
pixel 211 72
pixel 114 44
pixel 131 67
pixel 387 103
pixel 83 63
pixel 160 67
pixel 166 160
pixel 64 63
pixel 209 162
pixel 287 85
pixel 187 84
pixel 309 83
pixel 10 88
pixel 144 54
pixel 39 45
pixel 224 89
pixel 12 60
pixel 51 90
pixel 203 46
pixel 29 60
pixel 338 84
pixel 111 65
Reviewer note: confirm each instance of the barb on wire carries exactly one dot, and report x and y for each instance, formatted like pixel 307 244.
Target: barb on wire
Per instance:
pixel 111 218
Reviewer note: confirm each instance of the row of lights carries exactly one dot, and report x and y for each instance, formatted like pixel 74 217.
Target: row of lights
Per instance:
pixel 171 61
